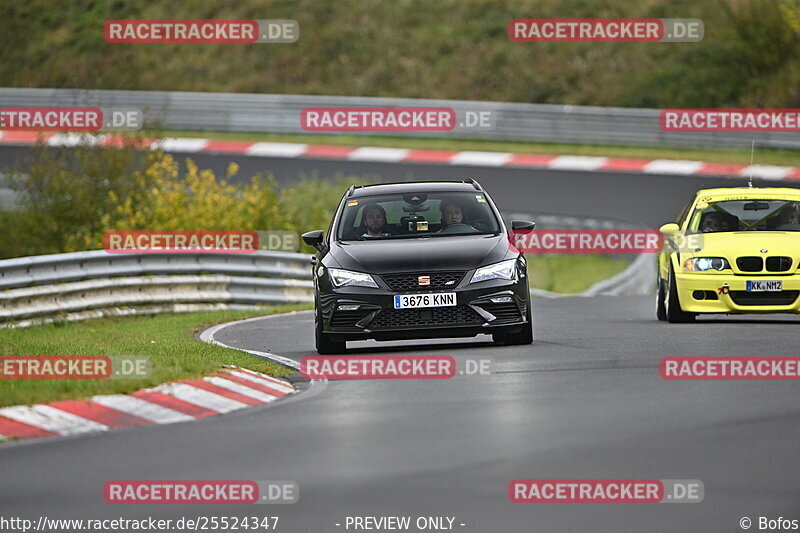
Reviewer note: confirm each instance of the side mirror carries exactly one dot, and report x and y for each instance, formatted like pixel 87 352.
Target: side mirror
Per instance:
pixel 670 229
pixel 522 224
pixel 314 238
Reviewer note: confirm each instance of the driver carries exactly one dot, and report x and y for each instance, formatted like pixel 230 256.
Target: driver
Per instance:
pixel 374 221
pixel 713 222
pixel 451 214
pixel 789 215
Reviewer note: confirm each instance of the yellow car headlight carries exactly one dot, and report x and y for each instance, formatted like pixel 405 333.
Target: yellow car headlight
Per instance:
pixel 704 264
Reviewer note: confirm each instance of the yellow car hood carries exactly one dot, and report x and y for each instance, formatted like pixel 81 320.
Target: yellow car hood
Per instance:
pixel 731 245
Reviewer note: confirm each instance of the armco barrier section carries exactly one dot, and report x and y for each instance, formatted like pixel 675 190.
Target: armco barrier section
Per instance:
pixel 66 283
pixel 276 113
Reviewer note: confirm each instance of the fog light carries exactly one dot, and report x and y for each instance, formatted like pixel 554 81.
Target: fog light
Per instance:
pixel 501 300
pixel 347 307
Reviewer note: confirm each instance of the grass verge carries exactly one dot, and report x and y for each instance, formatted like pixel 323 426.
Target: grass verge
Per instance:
pixel 572 273
pixel 763 156
pixel 168 340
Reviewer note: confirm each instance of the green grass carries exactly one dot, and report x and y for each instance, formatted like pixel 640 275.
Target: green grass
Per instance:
pixel 451 49
pixel 762 156
pixel 168 340
pixel 572 273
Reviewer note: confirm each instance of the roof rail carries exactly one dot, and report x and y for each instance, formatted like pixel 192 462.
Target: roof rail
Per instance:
pixel 474 183
pixel 469 181
pixel 408 183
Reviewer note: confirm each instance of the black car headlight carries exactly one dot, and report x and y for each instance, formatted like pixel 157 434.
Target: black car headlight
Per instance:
pixel 502 270
pixel 704 264
pixel 348 278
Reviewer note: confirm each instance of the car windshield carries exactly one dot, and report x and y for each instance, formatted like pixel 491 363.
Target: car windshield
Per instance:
pixel 745 215
pixel 409 215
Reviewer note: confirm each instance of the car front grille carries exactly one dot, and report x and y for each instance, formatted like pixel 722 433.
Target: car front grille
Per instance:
pixel 779 264
pixel 776 263
pixel 460 315
pixel 764 298
pixel 750 264
pixel 410 281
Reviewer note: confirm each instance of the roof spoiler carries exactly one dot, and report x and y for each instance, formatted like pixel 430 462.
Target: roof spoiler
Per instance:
pixel 473 182
pixel 351 190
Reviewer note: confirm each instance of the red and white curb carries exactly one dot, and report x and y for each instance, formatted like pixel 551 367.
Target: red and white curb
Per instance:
pixel 443 157
pixel 230 389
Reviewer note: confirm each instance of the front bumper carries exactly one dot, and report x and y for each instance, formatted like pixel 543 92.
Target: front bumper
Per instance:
pixel 376 318
pixel 727 293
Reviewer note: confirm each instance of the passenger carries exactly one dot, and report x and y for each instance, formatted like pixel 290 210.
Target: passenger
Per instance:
pixel 713 222
pixel 789 215
pixel 374 221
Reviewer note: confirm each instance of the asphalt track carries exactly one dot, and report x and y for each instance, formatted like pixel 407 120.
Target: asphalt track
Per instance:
pixel 584 402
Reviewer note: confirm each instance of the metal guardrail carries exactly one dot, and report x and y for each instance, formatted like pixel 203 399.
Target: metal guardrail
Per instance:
pixel 43 269
pixel 62 284
pixel 275 113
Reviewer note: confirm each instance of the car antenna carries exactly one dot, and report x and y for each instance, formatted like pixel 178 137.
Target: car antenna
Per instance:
pixel 752 153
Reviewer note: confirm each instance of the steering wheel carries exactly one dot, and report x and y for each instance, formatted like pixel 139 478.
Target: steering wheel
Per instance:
pixel 458 228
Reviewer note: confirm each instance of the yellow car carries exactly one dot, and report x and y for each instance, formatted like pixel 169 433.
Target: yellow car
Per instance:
pixel 732 250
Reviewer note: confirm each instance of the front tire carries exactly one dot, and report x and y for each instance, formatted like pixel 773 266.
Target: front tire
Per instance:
pixel 661 309
pixel 675 314
pixel 324 343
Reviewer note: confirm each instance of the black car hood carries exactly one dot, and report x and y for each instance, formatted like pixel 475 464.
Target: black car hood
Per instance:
pixel 412 255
